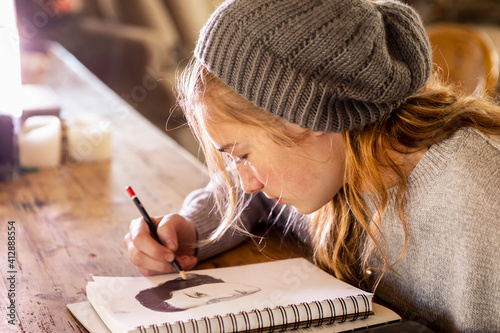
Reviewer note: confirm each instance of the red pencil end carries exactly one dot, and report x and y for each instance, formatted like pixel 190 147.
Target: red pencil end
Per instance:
pixel 130 191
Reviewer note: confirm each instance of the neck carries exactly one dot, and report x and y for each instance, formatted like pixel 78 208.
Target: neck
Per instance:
pixel 407 161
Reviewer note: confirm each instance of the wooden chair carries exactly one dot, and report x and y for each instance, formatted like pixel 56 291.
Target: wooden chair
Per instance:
pixel 465 56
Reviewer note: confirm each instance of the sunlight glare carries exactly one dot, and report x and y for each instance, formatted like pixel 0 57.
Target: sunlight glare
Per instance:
pixel 10 62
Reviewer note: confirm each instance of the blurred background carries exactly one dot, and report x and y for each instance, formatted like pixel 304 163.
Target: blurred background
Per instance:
pixel 137 46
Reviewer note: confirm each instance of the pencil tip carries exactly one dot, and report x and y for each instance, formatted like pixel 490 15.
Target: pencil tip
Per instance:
pixel 183 275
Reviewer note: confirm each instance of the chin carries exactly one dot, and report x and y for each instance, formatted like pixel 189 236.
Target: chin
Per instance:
pixel 305 210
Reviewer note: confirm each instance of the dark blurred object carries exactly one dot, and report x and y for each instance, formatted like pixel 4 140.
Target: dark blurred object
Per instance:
pixel 465 56
pixel 136 47
pixel 52 8
pixel 465 11
pixel 38 19
pixel 405 326
pixel 131 45
pixel 9 161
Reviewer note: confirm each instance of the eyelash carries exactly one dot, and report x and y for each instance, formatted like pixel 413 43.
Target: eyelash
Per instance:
pixel 196 295
pixel 239 160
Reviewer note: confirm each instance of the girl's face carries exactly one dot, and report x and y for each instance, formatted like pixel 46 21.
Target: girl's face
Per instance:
pixel 306 176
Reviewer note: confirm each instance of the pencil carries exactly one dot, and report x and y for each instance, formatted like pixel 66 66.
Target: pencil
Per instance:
pixel 152 228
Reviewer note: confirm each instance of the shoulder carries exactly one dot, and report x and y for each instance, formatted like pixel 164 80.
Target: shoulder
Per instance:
pixel 472 175
pixel 470 146
pixel 493 140
pixel 478 150
pixel 465 154
pixel 461 171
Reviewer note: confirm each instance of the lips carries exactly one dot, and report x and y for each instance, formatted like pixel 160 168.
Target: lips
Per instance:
pixel 278 200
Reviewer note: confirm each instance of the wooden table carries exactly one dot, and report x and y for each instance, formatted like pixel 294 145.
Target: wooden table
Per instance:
pixel 69 221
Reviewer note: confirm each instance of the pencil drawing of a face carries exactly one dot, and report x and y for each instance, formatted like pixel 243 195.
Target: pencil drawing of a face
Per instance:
pixel 196 290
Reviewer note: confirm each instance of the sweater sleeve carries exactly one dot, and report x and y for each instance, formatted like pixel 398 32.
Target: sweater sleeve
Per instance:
pixel 199 208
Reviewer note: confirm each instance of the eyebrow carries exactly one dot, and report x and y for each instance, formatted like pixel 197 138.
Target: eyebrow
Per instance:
pixel 225 148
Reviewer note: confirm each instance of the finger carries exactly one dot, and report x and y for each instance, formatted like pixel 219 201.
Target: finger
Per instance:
pixel 146 264
pixel 178 234
pixel 167 232
pixel 147 272
pixel 187 262
pixel 141 237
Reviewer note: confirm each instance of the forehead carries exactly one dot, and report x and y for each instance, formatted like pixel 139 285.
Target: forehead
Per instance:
pixel 225 136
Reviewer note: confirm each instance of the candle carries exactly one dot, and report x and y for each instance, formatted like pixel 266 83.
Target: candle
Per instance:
pixel 89 138
pixel 40 142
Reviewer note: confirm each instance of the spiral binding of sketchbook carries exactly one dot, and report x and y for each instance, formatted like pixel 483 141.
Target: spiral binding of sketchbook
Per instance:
pixel 267 297
pixel 281 318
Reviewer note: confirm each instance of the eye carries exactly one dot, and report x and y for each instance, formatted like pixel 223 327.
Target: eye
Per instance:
pixel 239 160
pixel 196 294
pixel 242 292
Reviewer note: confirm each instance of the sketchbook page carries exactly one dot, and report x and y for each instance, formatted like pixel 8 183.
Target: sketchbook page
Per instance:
pixel 86 315
pixel 242 288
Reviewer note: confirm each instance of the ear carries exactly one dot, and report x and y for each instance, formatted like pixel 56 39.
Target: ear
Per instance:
pixel 296 129
pixel 318 134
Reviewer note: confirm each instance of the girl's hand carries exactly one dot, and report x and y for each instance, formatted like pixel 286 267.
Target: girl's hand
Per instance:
pixel 178 237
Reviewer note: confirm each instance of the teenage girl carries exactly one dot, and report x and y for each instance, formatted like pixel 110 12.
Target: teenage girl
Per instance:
pixel 326 116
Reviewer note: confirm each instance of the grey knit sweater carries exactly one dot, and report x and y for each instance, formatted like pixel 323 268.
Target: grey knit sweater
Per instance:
pixel 449 276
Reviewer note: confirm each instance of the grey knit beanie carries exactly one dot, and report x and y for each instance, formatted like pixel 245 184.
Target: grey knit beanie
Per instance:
pixel 327 65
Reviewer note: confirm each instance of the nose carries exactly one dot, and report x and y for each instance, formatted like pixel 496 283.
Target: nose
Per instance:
pixel 249 182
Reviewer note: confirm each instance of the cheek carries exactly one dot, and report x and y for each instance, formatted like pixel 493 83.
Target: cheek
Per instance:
pixel 280 168
pixel 259 168
pixel 289 176
pixel 314 180
pixel 271 173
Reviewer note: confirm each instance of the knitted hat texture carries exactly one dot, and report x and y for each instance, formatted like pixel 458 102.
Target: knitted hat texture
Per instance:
pixel 327 65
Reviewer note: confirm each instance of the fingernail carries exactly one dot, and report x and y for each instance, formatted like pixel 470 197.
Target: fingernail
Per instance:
pixel 169 257
pixel 170 245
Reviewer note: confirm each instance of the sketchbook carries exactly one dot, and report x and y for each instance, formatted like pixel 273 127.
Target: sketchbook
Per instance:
pixel 272 296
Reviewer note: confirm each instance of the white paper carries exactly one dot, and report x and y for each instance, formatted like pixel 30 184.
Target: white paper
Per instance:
pixel 280 283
